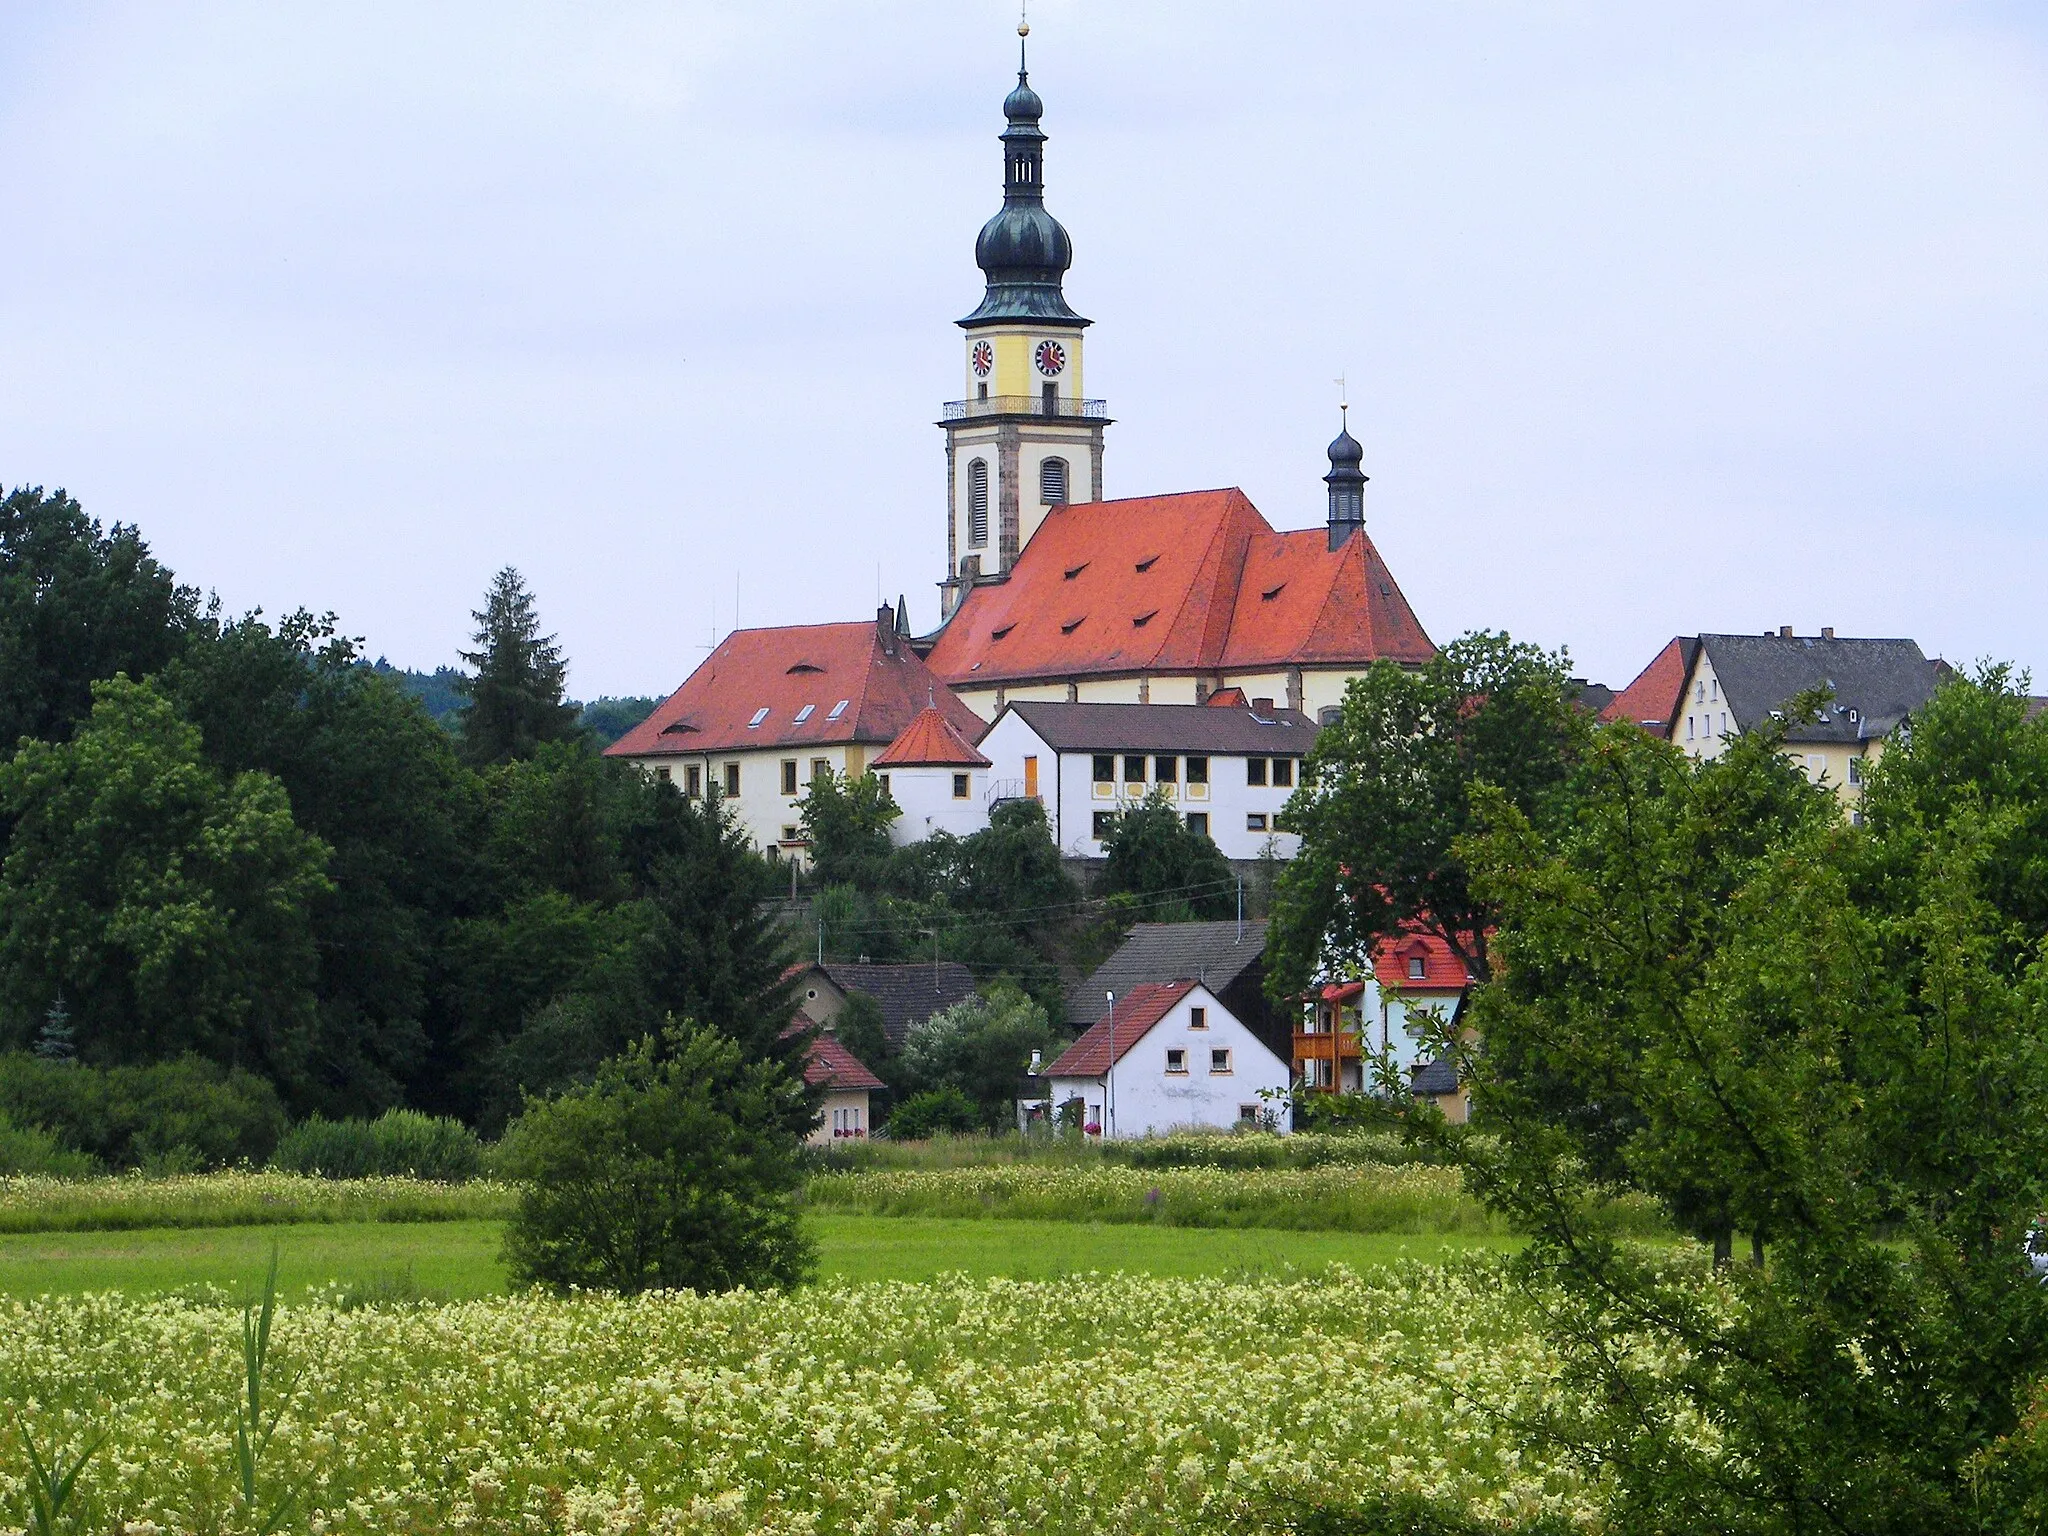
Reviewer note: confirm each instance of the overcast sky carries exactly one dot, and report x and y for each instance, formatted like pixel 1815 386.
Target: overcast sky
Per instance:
pixel 1657 318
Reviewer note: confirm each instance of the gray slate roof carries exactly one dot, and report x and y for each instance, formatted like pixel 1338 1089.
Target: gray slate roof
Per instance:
pixel 1434 1078
pixel 1211 953
pixel 1168 728
pixel 908 994
pixel 1877 683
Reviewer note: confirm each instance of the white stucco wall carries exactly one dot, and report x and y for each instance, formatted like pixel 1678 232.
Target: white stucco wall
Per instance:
pixel 762 809
pixel 925 796
pixel 1142 1098
pixel 845 1119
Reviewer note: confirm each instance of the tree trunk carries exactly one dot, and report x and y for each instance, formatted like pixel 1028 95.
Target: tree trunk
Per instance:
pixel 1724 1247
pixel 1756 1249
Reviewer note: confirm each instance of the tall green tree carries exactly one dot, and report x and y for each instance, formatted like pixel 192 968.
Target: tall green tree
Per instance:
pixel 846 821
pixel 979 1048
pixel 515 690
pixel 1390 789
pixel 1170 873
pixel 1711 991
pixel 164 902
pixel 78 604
pixel 371 775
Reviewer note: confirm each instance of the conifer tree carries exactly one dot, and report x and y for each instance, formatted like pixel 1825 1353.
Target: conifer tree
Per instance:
pixel 515 694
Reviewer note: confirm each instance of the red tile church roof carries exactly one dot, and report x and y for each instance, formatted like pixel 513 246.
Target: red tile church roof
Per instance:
pixel 1185 583
pixel 929 742
pixel 859 681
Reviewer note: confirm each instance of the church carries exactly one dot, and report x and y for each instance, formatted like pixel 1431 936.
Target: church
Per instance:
pixel 1164 603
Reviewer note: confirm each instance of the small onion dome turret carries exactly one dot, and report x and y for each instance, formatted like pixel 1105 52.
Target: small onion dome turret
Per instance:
pixel 1347 486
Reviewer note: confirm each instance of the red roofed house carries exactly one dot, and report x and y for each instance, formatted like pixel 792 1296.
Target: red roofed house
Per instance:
pixel 847 1083
pixel 1652 700
pixel 1413 974
pixel 1167 1056
pixel 769 708
pixel 938 781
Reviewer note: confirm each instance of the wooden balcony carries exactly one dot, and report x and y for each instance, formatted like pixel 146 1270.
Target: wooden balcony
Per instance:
pixel 1330 1046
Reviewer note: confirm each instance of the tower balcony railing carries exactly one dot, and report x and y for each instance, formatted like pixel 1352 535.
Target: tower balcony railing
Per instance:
pixel 1026 405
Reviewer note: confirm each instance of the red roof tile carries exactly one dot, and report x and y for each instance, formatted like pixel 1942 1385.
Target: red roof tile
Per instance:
pixel 1126 1024
pixel 1442 971
pixel 1652 700
pixel 881 683
pixel 929 742
pixel 1184 583
pixel 828 1064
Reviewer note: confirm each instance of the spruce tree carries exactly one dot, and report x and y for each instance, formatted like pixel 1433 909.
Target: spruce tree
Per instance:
pixel 515 695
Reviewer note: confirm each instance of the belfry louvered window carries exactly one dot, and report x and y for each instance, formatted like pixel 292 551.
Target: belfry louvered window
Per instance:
pixel 1052 482
pixel 977 504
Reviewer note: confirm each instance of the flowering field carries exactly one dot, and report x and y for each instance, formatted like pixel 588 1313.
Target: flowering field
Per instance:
pixel 1115 1403
pixel 1366 1197
pixel 33 1203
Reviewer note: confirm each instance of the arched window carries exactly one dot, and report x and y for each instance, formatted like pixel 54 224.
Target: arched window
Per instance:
pixel 977 503
pixel 1052 481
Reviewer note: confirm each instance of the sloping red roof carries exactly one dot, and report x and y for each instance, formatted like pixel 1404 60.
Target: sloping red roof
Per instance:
pixel 829 1064
pixel 1126 1024
pixel 882 684
pixel 1184 583
pixel 1652 700
pixel 929 742
pixel 1442 971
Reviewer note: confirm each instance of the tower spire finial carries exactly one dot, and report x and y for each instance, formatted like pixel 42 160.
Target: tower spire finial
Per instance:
pixel 1023 31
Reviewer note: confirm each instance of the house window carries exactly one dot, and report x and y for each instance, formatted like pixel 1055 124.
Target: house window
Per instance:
pixel 1104 820
pixel 759 715
pixel 1176 1060
pixel 1329 714
pixel 1714 688
pixel 1198 823
pixel 1249 1114
pixel 977 504
pixel 1855 770
pixel 1198 1018
pixel 1105 768
pixel 663 774
pixel 804 714
pixel 1219 1059
pixel 1817 766
pixel 732 781
pixel 838 709
pixel 1255 770
pixel 885 782
pixel 1134 770
pixel 1688 727
pixel 1255 821
pixel 1700 697
pixel 693 781
pixel 789 775
pixel 789 834
pixel 959 786
pixel 1417 966
pixel 1052 482
pixel 1283 773
pixel 1198 770
pixel 821 768
pixel 1165 770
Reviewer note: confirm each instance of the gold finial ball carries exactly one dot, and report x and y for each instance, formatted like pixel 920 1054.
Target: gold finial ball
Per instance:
pixel 1023 29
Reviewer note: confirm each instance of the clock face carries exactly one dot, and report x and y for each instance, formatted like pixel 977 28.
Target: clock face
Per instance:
pixel 1051 357
pixel 984 359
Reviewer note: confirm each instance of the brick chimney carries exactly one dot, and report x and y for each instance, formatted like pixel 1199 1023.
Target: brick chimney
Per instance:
pixel 1784 631
pixel 885 628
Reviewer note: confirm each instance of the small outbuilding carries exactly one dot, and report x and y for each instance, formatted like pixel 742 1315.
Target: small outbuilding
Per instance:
pixel 937 779
pixel 1170 1056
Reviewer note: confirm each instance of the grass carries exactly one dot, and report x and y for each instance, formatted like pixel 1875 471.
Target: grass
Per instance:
pixel 129 1202
pixel 458 1260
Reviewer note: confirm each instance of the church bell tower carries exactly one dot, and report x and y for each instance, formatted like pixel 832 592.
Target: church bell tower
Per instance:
pixel 1024 439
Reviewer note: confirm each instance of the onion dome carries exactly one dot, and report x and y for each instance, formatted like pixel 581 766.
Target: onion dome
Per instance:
pixel 1023 251
pixel 1347 485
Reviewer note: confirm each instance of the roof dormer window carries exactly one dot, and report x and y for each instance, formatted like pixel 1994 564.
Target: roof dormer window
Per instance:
pixel 1272 592
pixel 997 634
pixel 1073 624
pixel 1074 570
pixel 1146 564
pixel 1143 619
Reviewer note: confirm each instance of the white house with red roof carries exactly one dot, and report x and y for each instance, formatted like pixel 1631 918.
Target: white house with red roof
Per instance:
pixel 1415 976
pixel 770 708
pixel 1167 1057
pixel 847 1083
pixel 939 782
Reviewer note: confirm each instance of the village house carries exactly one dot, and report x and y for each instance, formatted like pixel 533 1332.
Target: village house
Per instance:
pixel 845 1114
pixel 771 709
pixel 1168 1057
pixel 938 782
pixel 906 994
pixel 1229 958
pixel 1227 767
pixel 1382 1015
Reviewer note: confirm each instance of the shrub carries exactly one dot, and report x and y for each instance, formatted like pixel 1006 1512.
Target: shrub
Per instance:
pixel 937 1110
pixel 187 1113
pixel 980 1047
pixel 31 1149
pixel 675 1169
pixel 400 1142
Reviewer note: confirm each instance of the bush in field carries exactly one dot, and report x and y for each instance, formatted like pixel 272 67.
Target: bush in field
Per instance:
pixel 399 1142
pixel 31 1149
pixel 980 1047
pixel 186 1113
pixel 934 1112
pixel 675 1169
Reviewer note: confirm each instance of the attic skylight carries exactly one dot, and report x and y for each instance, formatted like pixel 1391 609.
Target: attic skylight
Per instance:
pixel 997 634
pixel 803 714
pixel 803 666
pixel 1385 590
pixel 1272 592
pixel 1075 570
pixel 1146 564
pixel 759 715
pixel 1143 619
pixel 839 709
pixel 1073 624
